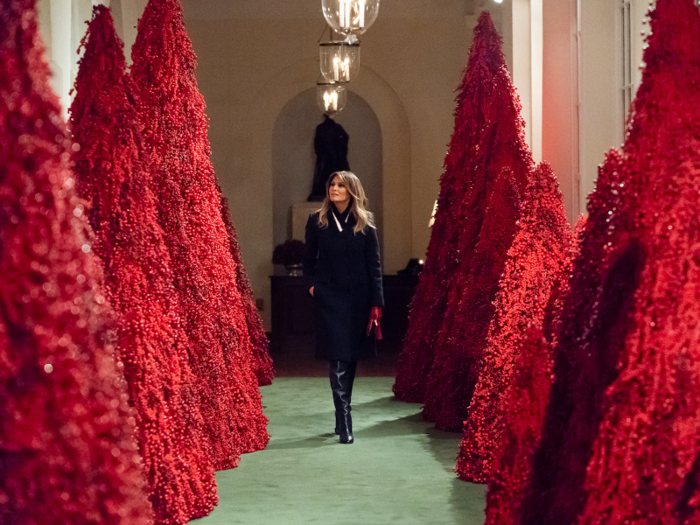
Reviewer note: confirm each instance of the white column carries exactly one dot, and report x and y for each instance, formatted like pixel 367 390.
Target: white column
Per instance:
pixel 536 77
pixel 599 96
pixel 61 49
pixel 560 123
pixel 131 11
pixel 62 26
pixel 522 24
pixel 521 53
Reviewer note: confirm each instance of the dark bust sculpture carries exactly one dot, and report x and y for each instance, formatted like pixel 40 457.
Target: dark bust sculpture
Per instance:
pixel 331 148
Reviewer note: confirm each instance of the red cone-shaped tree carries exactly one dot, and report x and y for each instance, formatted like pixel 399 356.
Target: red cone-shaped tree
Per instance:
pixel 649 438
pixel 487 138
pixel 67 452
pixel 621 433
pixel 262 364
pixel 536 265
pixel 213 311
pixel 498 168
pixel 138 277
pixel 593 315
pixel 464 154
pixel 524 407
pixel 462 338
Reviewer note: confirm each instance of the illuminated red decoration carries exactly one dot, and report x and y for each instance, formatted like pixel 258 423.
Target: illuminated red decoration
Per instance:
pixel 487 139
pixel 151 341
pixel 213 309
pixel 262 364
pixel 537 264
pixel 67 450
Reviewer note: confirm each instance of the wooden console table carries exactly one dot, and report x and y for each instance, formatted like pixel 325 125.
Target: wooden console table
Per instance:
pixel 293 313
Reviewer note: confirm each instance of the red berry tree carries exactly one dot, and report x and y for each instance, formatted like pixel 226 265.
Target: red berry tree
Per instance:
pixel 67 452
pixel 183 180
pixel 464 156
pixel 487 139
pixel 593 318
pixel 497 166
pixel 648 440
pixel 524 406
pixel 151 341
pixel 620 439
pixel 536 266
pixel 462 337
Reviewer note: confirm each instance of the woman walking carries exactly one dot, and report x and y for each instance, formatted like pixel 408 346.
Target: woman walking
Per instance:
pixel 344 275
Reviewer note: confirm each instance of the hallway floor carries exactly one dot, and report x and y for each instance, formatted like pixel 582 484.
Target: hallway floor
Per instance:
pixel 399 470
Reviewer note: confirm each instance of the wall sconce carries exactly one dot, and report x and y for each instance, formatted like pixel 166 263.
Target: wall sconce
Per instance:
pixel 350 17
pixel 340 61
pixel 331 98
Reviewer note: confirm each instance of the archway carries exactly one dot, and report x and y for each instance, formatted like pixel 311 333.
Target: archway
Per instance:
pixel 279 90
pixel 293 157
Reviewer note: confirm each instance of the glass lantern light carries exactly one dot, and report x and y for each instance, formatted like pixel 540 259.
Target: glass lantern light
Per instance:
pixel 331 98
pixel 350 17
pixel 340 61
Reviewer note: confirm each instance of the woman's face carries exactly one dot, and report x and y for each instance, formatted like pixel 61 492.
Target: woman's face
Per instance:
pixel 337 192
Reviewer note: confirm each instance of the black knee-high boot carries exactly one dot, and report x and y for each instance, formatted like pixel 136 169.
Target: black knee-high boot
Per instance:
pixel 342 376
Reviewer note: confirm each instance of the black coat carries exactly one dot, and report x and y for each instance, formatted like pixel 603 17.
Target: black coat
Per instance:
pixel 345 270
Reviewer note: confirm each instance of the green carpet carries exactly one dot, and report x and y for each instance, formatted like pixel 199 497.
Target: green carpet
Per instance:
pixel 399 470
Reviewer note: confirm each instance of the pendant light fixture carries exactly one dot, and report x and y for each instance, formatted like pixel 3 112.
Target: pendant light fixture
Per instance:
pixel 330 97
pixel 340 61
pixel 350 17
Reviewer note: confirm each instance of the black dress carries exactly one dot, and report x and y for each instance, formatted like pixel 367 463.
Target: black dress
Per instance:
pixel 345 270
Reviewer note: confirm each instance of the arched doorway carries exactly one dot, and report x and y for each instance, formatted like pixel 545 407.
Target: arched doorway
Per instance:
pixel 293 156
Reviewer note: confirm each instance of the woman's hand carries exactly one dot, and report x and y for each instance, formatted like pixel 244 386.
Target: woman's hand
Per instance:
pixel 311 291
pixel 375 314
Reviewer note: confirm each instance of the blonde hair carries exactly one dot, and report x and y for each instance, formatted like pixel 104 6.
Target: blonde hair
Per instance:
pixel 358 201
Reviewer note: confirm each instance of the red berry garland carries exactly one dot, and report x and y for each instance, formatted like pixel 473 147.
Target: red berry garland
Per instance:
pixel 487 133
pixel 536 264
pixel 151 341
pixel 67 451
pixel 213 309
